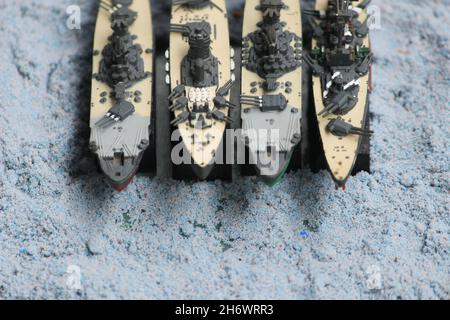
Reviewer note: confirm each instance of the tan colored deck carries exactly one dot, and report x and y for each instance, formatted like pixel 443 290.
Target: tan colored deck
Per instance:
pixel 206 142
pixel 341 153
pixel 125 135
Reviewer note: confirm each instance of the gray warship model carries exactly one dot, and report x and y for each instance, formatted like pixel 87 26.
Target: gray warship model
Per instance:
pixel 341 60
pixel 271 84
pixel 200 76
pixel 121 97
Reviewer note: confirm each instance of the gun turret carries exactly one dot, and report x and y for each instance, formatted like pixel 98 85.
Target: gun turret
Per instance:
pixel 199 67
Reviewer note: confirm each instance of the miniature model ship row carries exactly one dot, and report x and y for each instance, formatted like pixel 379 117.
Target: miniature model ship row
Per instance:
pixel 200 74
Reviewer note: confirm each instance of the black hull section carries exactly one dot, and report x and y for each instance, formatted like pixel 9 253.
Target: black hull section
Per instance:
pixel 275 176
pixel 202 173
pixel 120 175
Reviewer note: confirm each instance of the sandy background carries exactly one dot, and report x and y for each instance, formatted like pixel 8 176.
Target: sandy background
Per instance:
pixel 387 237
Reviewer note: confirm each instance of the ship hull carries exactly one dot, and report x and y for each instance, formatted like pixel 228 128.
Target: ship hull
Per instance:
pixel 341 153
pixel 270 176
pixel 202 143
pixel 283 128
pixel 202 173
pixel 128 170
pixel 120 146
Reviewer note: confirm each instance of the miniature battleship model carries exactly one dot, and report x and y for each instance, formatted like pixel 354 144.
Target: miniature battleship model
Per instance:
pixel 121 88
pixel 200 75
pixel 341 61
pixel 272 84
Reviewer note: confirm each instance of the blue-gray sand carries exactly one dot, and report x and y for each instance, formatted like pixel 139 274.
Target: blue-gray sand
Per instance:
pixel 65 233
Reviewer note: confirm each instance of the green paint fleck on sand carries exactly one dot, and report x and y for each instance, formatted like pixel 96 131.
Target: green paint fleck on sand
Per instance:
pixel 126 220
